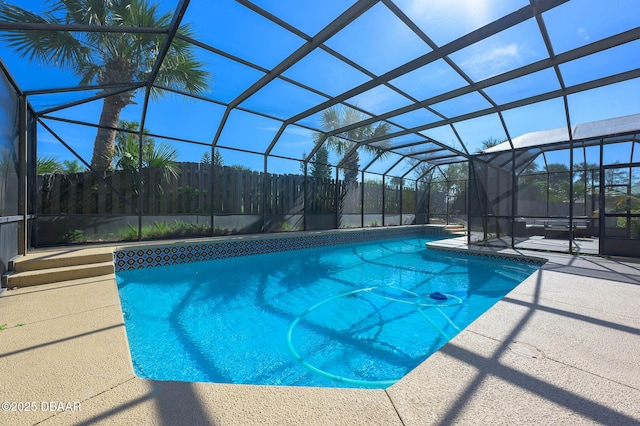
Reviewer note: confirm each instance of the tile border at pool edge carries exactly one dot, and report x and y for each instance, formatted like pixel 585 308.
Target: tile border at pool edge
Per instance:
pixel 521 258
pixel 146 256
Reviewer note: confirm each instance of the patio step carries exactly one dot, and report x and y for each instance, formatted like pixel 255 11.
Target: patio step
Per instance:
pixel 50 267
pixel 456 229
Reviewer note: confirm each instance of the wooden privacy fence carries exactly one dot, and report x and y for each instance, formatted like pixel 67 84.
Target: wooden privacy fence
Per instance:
pixel 235 191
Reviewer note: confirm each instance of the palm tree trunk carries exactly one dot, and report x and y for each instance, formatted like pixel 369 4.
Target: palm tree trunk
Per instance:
pixel 103 145
pixel 351 166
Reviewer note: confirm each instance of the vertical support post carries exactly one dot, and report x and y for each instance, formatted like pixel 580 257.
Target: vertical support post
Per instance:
pixel 212 220
pixel 593 199
pixel 428 212
pixel 305 188
pixel 401 192
pixel 601 218
pixel 571 199
pixel 584 182
pixel 446 199
pixel 486 202
pixel 415 204
pixel 384 199
pixel 513 199
pixel 337 200
pixel 548 182
pixel 265 190
pixel 139 183
pixel 628 204
pixel 498 208
pixel 468 200
pixel 23 204
pixel 362 199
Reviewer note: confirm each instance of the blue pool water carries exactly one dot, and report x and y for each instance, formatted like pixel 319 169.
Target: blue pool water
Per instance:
pixel 354 315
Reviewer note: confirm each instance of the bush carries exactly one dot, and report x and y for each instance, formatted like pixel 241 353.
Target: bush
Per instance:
pixel 163 229
pixel 75 236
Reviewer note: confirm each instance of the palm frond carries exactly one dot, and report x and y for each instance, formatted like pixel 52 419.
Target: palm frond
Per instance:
pixel 48 164
pixel 107 57
pixel 380 130
pixel 351 116
pixel 87 12
pixel 90 73
pixel 58 47
pixel 330 119
pixel 183 73
pixel 337 117
pixel 339 144
pixel 126 152
pixel 164 158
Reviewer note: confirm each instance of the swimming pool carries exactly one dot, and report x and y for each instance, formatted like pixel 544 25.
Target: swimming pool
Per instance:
pixel 351 315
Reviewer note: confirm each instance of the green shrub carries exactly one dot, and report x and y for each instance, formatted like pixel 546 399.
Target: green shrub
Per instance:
pixel 163 229
pixel 75 236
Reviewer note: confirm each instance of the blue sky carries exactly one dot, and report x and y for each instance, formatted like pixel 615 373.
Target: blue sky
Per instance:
pixel 379 42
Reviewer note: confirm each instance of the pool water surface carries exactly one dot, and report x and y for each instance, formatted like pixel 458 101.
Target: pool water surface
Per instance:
pixel 353 315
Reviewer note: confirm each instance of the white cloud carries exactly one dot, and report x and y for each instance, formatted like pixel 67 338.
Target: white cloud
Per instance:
pixel 298 137
pixel 295 130
pixel 378 100
pixel 45 138
pixel 298 143
pixel 582 33
pixel 269 128
pixel 501 53
pixel 484 64
pixel 294 141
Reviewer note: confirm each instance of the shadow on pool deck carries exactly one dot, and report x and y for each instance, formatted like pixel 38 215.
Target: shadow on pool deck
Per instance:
pixel 563 347
pixel 491 366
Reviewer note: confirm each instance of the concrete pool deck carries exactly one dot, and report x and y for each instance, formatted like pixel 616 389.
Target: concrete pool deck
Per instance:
pixel 561 348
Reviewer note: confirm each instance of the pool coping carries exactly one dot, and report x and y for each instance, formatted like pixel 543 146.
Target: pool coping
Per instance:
pixel 513 364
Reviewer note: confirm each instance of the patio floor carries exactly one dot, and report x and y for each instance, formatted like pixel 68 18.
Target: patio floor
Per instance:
pixel 581 245
pixel 561 348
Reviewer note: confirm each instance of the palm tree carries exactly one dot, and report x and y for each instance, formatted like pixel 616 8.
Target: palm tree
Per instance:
pixel 106 58
pixel 335 118
pixel 52 165
pixel 71 167
pixel 156 158
pixel 490 142
pixel 48 165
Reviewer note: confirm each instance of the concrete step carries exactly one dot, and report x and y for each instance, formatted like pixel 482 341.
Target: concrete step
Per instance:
pixel 456 229
pixel 63 273
pixel 453 227
pixel 61 259
pixel 55 265
pixel 462 232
